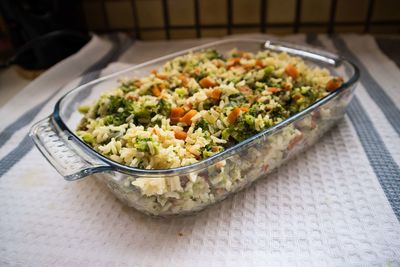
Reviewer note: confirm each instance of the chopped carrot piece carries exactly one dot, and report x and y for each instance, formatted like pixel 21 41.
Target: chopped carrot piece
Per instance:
pixel 217 62
pixel 197 71
pixel 295 141
pixel 207 82
pixel 154 72
pixel 244 109
pixel 156 91
pixel 162 86
pixel 287 86
pixel 292 71
pixel 334 84
pixel 248 66
pixel 181 135
pixel 214 94
pixel 137 83
pixel 232 62
pixel 183 79
pixel 238 69
pixel 187 118
pixel 161 76
pixel 245 89
pixel 273 89
pixel 259 63
pixel 232 117
pixel 177 112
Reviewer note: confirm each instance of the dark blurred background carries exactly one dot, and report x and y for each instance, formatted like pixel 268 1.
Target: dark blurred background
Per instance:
pixel 35 34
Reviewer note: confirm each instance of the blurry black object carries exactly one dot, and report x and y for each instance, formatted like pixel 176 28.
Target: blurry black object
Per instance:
pixel 46 50
pixel 43 32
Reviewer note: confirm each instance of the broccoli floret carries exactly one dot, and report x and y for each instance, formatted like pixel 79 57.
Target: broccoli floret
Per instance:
pixel 164 107
pixel 210 150
pixel 241 130
pixel 141 144
pixel 127 86
pixel 118 110
pixel 255 109
pixel 268 71
pixel 202 75
pixel 279 111
pixel 203 124
pixel 249 119
pixel 237 99
pixel 88 138
pixel 213 54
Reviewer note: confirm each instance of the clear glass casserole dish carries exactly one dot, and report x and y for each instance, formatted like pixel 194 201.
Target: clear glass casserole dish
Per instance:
pixel 193 187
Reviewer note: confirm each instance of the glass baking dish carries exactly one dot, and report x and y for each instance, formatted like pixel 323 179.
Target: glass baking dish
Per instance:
pixel 192 188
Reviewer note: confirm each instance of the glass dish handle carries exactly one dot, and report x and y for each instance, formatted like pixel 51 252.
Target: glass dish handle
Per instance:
pixel 61 151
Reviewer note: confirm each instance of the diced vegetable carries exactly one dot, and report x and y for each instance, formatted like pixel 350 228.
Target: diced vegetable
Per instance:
pixel 233 115
pixel 88 138
pixel 83 109
pixel 207 82
pixel 162 76
pixel 273 90
pixel 180 135
pixel 176 114
pixel 164 107
pixel 292 71
pixel 215 94
pixel 259 63
pixel 232 62
pixel 334 84
pixel 269 70
pixel 245 89
pixel 203 124
pixel 187 118
pixel 155 90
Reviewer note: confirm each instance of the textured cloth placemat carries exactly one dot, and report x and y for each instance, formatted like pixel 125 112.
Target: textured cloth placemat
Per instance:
pixel 338 204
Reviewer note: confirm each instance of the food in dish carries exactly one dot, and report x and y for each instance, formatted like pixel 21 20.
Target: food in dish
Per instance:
pixel 199 104
pixel 196 106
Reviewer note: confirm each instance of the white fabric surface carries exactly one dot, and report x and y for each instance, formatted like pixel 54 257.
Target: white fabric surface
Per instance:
pixel 325 208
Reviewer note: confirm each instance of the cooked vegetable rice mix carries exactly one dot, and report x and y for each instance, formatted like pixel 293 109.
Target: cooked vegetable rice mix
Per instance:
pixel 194 107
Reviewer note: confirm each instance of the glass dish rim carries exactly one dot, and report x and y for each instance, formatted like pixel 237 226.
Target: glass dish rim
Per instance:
pixel 330 58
